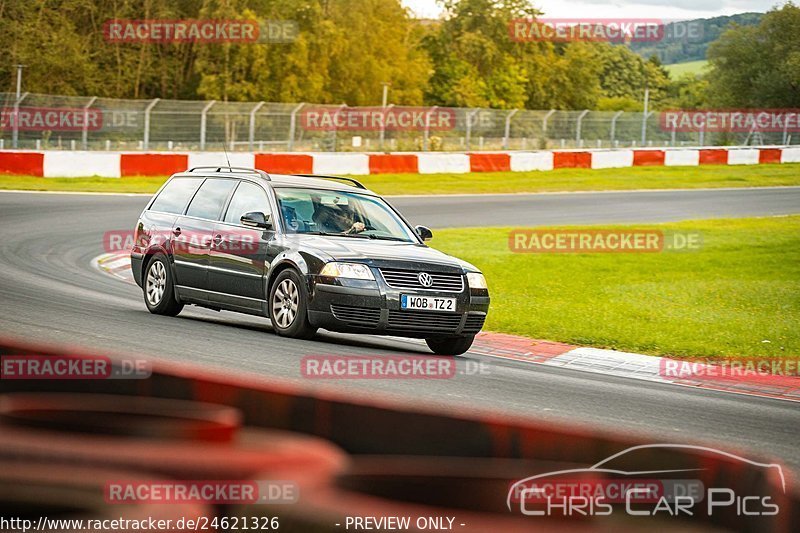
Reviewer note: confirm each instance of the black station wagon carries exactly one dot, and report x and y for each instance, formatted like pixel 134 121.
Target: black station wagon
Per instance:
pixel 308 252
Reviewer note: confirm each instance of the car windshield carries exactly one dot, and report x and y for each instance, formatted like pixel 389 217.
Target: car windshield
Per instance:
pixel 343 213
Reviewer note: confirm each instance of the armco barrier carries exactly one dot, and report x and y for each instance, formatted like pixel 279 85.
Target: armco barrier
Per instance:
pixel 648 158
pixel 713 157
pixel 443 441
pixel 393 163
pixel 152 164
pixel 285 163
pixel 489 162
pixel 572 160
pixel 31 163
pixel 120 164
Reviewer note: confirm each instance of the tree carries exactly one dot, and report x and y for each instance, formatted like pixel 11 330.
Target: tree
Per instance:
pixel 758 66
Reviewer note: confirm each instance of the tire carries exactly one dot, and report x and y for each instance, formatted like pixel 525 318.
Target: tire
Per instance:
pixel 449 345
pixel 288 306
pixel 158 287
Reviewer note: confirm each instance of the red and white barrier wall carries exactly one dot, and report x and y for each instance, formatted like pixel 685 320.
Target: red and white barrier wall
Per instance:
pixel 120 164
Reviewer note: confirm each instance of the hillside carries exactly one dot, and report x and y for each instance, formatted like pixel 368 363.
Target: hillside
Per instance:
pixel 676 47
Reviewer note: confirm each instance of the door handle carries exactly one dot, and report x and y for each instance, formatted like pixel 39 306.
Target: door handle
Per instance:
pixel 176 231
pixel 217 239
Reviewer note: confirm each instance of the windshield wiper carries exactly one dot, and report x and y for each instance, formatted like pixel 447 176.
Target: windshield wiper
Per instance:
pixel 328 234
pixel 386 238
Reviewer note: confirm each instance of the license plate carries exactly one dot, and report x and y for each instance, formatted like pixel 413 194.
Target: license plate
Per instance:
pixel 427 303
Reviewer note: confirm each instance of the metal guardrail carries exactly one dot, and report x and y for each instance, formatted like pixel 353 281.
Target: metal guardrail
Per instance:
pixel 93 123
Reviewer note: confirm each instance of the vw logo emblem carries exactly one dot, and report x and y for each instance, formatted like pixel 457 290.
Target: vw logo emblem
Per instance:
pixel 425 279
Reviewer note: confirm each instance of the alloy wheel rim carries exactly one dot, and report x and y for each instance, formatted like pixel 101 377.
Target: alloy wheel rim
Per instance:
pixel 284 303
pixel 156 282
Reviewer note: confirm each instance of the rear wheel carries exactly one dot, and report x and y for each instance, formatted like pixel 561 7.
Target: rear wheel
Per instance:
pixel 449 345
pixel 288 306
pixel 159 288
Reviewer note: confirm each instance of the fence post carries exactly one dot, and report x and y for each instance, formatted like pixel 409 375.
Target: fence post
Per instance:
pixel 252 132
pixel 645 115
pixel 785 131
pixel 578 127
pixel 383 124
pixel 85 132
pixel 150 106
pixel 203 123
pixel 507 131
pixel 293 125
pixel 426 133
pixel 614 126
pixel 15 131
pixel 468 135
pixel 544 123
pixel 335 130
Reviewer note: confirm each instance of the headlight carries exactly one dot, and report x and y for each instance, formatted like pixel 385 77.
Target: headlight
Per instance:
pixel 476 280
pixel 347 270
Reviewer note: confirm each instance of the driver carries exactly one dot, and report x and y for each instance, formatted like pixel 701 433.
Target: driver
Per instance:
pixel 339 219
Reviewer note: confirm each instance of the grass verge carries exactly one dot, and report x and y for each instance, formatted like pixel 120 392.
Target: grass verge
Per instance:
pixel 711 176
pixel 737 296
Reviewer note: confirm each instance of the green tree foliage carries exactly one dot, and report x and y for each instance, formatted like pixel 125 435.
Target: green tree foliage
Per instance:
pixel 758 66
pixel 345 50
pixel 476 63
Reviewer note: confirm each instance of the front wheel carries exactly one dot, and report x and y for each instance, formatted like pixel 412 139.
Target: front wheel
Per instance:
pixel 288 306
pixel 159 289
pixel 449 345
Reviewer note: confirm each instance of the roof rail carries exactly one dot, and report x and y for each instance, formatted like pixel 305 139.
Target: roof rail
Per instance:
pixel 234 169
pixel 324 177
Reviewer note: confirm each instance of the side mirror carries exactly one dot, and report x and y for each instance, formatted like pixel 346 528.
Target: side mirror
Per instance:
pixel 256 219
pixel 424 232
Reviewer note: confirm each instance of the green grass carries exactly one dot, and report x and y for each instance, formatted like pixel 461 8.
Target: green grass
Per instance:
pixel 690 67
pixel 710 176
pixel 726 299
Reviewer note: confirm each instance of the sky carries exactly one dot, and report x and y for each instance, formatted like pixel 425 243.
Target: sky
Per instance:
pixel 661 9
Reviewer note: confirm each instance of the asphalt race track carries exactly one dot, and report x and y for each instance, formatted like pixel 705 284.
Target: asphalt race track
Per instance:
pixel 50 293
pixel 597 208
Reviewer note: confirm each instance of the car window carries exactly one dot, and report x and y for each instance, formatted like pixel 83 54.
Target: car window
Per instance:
pixel 175 195
pixel 247 198
pixel 340 213
pixel 208 201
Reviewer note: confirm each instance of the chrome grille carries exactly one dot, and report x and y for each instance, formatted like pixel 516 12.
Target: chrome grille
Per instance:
pixel 474 323
pixel 424 320
pixel 408 279
pixel 360 316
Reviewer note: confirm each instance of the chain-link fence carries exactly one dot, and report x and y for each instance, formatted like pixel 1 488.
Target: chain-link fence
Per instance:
pixel 38 121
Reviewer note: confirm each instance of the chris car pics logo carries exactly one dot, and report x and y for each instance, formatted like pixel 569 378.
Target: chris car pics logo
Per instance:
pixel 612 487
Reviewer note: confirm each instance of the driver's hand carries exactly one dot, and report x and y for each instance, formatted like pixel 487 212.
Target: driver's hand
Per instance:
pixel 357 227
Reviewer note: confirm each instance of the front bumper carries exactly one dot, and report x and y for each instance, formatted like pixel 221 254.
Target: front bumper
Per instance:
pixel 354 306
pixel 136 267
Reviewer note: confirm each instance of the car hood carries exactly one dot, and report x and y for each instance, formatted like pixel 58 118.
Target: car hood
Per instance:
pixel 379 253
